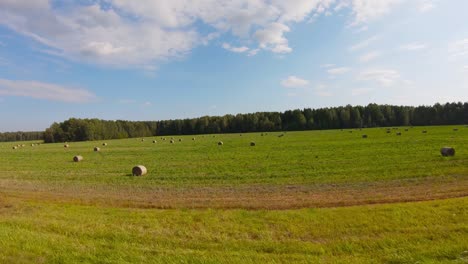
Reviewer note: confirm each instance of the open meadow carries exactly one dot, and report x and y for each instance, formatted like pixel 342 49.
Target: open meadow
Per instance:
pixel 330 196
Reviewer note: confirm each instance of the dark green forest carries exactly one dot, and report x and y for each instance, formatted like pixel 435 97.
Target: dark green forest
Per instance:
pixel 21 136
pixel 372 115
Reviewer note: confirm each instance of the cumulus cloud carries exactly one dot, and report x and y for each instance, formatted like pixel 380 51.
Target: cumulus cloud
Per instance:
pixel 339 70
pixel 241 49
pixel 47 91
pixel 368 10
pixel 383 77
pixel 128 33
pixel 253 52
pixel 272 38
pixel 363 44
pixel 370 56
pixel 362 29
pixel 294 82
pixel 426 5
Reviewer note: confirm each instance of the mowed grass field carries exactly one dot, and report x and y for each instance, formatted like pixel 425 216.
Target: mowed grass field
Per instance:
pixel 315 196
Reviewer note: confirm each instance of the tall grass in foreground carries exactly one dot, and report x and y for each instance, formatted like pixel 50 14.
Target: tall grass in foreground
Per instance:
pixel 425 232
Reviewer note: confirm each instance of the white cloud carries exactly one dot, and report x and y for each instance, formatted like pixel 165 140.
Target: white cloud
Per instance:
pixel 272 38
pixel 368 10
pixel 383 77
pixel 414 46
pixel 241 49
pixel 360 91
pixel 294 82
pixel 97 35
pixel 426 5
pixel 253 52
pixel 370 56
pixel 362 29
pixel 337 71
pixel 47 91
pixel 364 43
pixel 465 68
pixel 127 33
pixel 459 48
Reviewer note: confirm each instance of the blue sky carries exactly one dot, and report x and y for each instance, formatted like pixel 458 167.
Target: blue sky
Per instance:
pixel 153 60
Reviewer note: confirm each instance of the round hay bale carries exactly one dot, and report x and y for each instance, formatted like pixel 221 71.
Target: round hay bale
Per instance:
pixel 180 140
pixel 139 170
pixel 164 139
pixel 104 144
pixel 252 144
pixel 455 129
pixel 364 136
pixel 154 141
pixel 447 151
pixel 15 147
pixel 66 146
pixel 142 139
pixel 388 131
pixel 77 158
pixel 32 145
pixel 23 145
pixel 96 149
pixel 172 141
pixel 424 132
pixel 220 143
pixel 406 130
pixel 261 134
pixel 193 138
pixel 398 134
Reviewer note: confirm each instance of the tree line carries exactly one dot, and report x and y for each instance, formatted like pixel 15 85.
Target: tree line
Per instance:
pixel 21 136
pixel 372 115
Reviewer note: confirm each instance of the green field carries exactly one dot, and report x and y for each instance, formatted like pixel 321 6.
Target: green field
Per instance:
pixel 316 196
